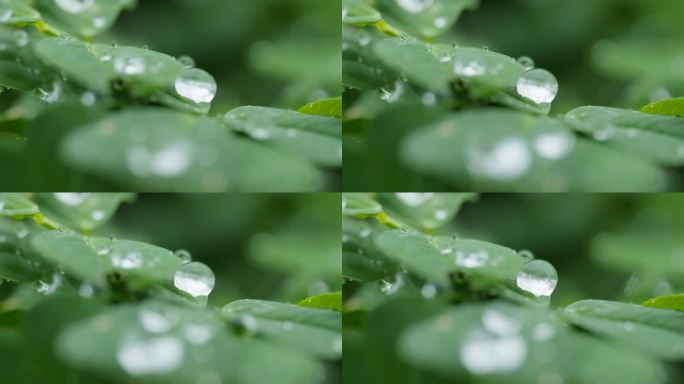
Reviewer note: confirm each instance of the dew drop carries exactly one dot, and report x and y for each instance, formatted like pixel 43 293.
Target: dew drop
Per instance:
pixel 126 260
pixel 88 98
pixel 537 277
pixel 99 22
pixel 157 321
pixel 151 356
pixel 129 65
pixel 428 291
pixel 414 199
pixel 98 214
pixel 195 279
pixel 526 62
pixel 186 61
pixel 441 22
pixel 170 161
pixel 554 145
pixel 469 68
pixel 198 334
pixel 20 37
pixel 476 259
pixel 525 254
pixel 538 85
pixel 5 13
pixel 196 85
pixel 75 6
pixel 72 199
pixel 184 256
pixel 498 323
pixel 482 353
pixel 508 159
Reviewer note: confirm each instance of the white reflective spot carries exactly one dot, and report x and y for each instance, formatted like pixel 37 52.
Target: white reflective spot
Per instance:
pixel 156 321
pixel 170 161
pixel 126 260
pixel 75 6
pixel 414 6
pixel 98 215
pixel 128 65
pixel 195 279
pixel 482 353
pixel 414 199
pixel 543 331
pixel 151 356
pixel 198 334
pixel 499 323
pixel 469 69
pixel 471 259
pixel 196 85
pixel 537 277
pixel 72 199
pixel 508 160
pixel 538 85
pixel 554 146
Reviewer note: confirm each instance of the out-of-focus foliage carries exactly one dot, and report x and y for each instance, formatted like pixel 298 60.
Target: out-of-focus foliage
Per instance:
pixel 87 107
pixel 84 303
pixel 444 95
pixel 459 304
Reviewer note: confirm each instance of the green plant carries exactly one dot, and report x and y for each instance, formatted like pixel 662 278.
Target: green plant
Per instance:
pixel 425 113
pixel 425 305
pixel 83 115
pixel 96 309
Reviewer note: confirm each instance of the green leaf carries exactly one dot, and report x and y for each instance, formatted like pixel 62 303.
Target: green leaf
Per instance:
pixel 484 72
pixel 484 264
pixel 19 12
pixel 660 138
pixel 15 204
pixel 17 268
pixel 83 211
pixel 428 19
pixel 93 259
pixel 428 211
pixel 415 252
pixel 416 61
pixel 20 69
pixel 675 302
pixel 669 107
pixel 359 11
pixel 153 340
pixel 157 149
pixel 359 204
pixel 324 301
pixel 316 331
pixel 503 343
pixel 324 107
pixel 83 18
pixel 316 138
pixel 625 253
pixel 192 91
pixel 496 149
pixel 657 331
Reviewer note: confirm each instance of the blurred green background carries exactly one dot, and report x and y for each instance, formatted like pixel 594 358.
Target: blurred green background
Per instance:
pixel 626 247
pixel 279 53
pixel 621 53
pixel 281 247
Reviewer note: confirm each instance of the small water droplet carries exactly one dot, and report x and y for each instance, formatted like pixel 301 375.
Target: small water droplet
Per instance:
pixel 498 323
pixel 5 13
pixel 198 334
pixel 469 69
pixel 525 254
pixel 538 277
pixel 482 353
pixel 170 161
pixel 184 256
pixel 538 85
pixel 414 6
pixel 428 291
pixel 186 61
pixel 506 160
pixel 472 259
pixel 99 22
pixel 414 199
pixel 98 214
pixel 126 259
pixel 195 279
pixel 129 65
pixel 441 22
pixel 151 356
pixel 554 145
pixel 72 199
pixel 526 62
pixel 157 320
pixel 88 98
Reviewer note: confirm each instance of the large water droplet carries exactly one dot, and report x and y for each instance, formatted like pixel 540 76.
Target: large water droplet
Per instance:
pixel 414 6
pixel 196 85
pixel 508 159
pixel 482 353
pixel 538 85
pixel 538 277
pixel 151 356
pixel 73 199
pixel 75 6
pixel 195 279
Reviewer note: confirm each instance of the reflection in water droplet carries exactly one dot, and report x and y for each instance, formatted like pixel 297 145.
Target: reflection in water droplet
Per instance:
pixel 126 260
pixel 525 254
pixel 414 199
pixel 196 85
pixel 538 85
pixel 72 199
pixel 482 353
pixel 129 65
pixel 151 356
pixel 526 62
pixel 469 69
pixel 195 279
pixel 506 160
pixel 184 256
pixel 414 6
pixel 538 277
pixel 465 259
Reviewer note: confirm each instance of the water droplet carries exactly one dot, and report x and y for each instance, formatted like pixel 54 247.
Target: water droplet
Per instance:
pixel 508 159
pixel 414 199
pixel 129 65
pixel 196 85
pixel 526 62
pixel 88 98
pixel 428 291
pixel 186 61
pixel 98 214
pixel 525 254
pixel 441 22
pixel 75 6
pixel 473 259
pixel 86 290
pixel 538 277
pixel 469 68
pixel 198 334
pixel 414 6
pixel 195 279
pixel 99 22
pixel 429 98
pixel 5 13
pixel 390 288
pixel 157 320
pixel 126 259
pixel 441 214
pixel 72 199
pixel 20 37
pixel 538 85
pixel 554 145
pixel 543 331
pixel 183 255
pixel 482 353
pixel 394 95
pixel 170 161
pixel 151 356
pixel 500 324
